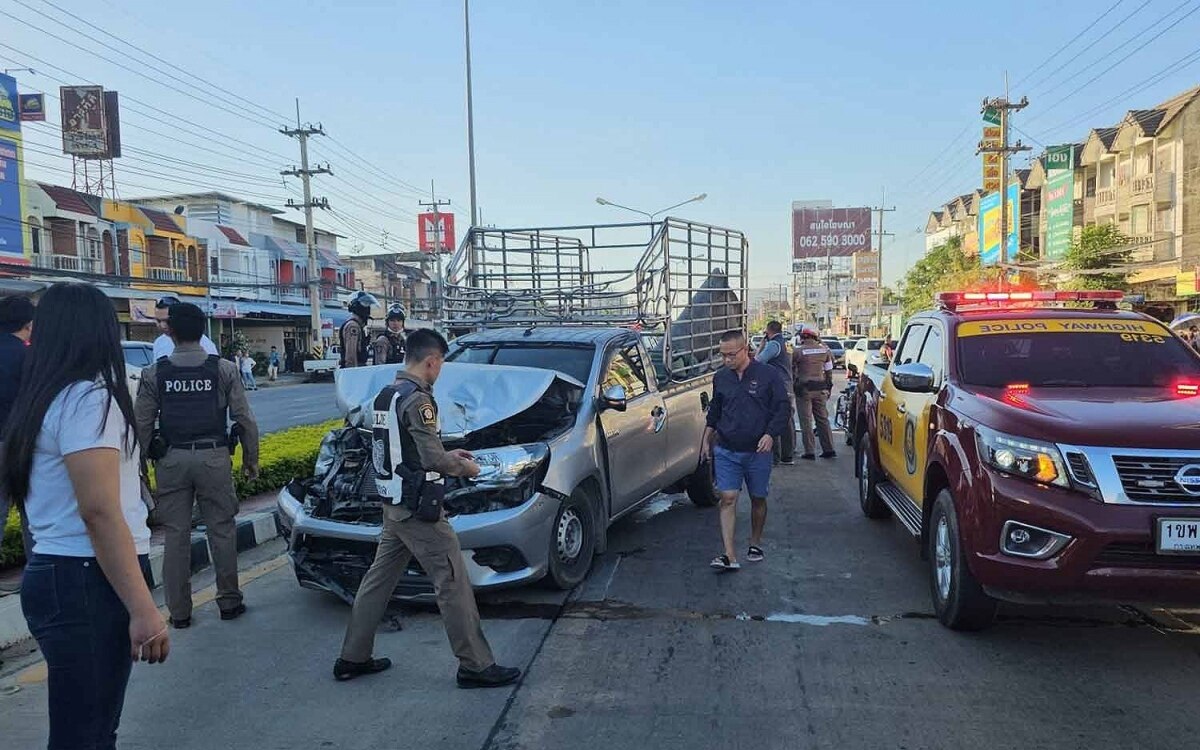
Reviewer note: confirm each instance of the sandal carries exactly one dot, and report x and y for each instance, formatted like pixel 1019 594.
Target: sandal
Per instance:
pixel 754 554
pixel 723 564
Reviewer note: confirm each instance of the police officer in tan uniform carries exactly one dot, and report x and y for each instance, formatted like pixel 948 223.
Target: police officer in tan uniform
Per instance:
pixel 812 370
pixel 356 346
pixel 389 345
pixel 189 394
pixel 410 465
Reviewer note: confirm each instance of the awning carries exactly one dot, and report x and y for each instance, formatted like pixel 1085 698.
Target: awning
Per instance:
pixel 20 286
pixel 233 236
pixel 279 309
pixel 286 249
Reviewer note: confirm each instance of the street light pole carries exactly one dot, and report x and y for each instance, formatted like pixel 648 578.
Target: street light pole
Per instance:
pixel 470 114
pixel 650 216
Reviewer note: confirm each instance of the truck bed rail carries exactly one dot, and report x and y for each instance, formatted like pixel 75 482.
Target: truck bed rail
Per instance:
pixel 681 282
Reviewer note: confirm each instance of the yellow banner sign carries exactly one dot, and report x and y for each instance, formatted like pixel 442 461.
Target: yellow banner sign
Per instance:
pixel 1060 325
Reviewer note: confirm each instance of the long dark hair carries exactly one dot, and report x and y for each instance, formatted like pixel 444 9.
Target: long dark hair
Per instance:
pixel 75 338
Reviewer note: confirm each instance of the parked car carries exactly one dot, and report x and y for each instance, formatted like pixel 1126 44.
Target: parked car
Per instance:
pixel 864 351
pixel 326 365
pixel 835 348
pixel 756 341
pixel 1038 454
pixel 138 355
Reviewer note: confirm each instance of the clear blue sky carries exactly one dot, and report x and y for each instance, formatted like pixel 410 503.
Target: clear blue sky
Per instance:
pixel 646 103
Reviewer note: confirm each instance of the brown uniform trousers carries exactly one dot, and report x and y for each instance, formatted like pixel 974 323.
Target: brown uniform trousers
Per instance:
pixel 809 362
pixel 436 548
pixel 205 474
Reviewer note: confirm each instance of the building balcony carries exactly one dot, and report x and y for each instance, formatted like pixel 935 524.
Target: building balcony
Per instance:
pixel 1143 185
pixel 68 263
pixel 167 274
pixel 1106 200
pixel 1164 188
pixel 1143 248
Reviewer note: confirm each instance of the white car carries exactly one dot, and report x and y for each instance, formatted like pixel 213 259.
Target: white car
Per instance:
pixel 138 355
pixel 866 350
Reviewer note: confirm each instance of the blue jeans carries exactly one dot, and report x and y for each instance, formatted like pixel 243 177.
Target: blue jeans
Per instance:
pixel 82 629
pixel 732 469
pixel 248 380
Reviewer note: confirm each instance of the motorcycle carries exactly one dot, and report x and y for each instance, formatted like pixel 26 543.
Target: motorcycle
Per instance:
pixel 843 415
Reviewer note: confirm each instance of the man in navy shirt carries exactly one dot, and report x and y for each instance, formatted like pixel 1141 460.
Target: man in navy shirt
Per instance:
pixel 16 325
pixel 749 405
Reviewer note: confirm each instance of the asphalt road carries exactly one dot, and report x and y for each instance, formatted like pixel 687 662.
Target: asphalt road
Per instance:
pixel 280 407
pixel 828 643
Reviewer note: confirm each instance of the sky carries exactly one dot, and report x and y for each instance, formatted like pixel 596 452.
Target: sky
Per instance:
pixel 646 104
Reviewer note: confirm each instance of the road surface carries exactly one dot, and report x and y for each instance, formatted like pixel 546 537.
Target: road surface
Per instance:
pixel 286 406
pixel 828 643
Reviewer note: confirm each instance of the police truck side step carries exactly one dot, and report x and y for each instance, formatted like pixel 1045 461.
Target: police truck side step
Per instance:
pixel 904 508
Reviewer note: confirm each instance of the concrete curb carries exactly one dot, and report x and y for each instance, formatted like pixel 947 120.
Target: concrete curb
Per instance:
pixel 253 529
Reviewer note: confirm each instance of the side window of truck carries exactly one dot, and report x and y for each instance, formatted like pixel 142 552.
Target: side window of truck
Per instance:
pixel 625 369
pixel 934 354
pixel 910 347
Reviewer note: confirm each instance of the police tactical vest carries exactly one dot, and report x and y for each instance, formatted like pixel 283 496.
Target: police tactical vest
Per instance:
pixel 395 350
pixel 189 403
pixel 813 356
pixel 364 346
pixel 393 452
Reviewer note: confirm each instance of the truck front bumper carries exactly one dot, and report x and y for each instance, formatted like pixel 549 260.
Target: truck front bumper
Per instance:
pixel 500 548
pixel 1110 556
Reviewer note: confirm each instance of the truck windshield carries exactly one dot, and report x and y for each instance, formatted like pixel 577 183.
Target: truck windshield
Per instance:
pixel 573 361
pixel 1134 359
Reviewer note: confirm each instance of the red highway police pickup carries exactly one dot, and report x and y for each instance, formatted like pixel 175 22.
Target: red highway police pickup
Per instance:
pixel 1039 452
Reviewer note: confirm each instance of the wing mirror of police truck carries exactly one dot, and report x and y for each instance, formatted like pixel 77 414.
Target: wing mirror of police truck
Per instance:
pixel 614 397
pixel 913 377
pixel 852 371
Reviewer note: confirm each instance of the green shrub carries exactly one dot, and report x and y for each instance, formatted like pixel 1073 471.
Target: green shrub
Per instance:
pixel 283 456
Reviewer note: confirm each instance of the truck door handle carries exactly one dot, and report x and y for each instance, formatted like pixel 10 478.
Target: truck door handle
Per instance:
pixel 901 409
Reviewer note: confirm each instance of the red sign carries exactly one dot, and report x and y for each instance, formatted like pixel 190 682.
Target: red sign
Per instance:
pixel 836 232
pixel 435 231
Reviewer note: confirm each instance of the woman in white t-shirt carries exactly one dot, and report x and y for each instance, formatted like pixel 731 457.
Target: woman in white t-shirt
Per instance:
pixel 70 458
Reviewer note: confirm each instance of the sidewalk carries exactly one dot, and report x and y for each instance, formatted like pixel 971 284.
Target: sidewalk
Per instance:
pixel 255 526
pixel 284 379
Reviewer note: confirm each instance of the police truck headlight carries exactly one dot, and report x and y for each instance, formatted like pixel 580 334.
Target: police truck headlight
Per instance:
pixel 508 477
pixel 1031 459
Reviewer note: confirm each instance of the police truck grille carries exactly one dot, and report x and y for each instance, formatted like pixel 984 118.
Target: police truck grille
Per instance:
pixel 1150 479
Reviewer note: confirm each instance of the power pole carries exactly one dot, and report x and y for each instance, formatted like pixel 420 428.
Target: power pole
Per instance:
pixel 314 266
pixel 1004 107
pixel 470 114
pixel 880 210
pixel 435 204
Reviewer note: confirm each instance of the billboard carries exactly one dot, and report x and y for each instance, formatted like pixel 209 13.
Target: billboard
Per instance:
pixel 12 214
pixel 1059 200
pixel 435 231
pixel 992 139
pixel 33 107
pixel 112 124
pixel 84 127
pixel 821 232
pixel 989 227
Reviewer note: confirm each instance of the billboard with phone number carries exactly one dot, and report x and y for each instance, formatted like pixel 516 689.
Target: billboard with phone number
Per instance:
pixel 838 232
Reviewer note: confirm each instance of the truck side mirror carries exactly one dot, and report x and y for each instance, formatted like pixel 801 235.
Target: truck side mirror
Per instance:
pixel 913 377
pixel 614 397
pixel 852 371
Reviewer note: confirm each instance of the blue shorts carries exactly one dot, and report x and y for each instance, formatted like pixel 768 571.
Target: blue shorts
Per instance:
pixel 731 470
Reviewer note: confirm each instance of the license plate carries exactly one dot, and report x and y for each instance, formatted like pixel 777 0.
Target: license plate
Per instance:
pixel 1179 536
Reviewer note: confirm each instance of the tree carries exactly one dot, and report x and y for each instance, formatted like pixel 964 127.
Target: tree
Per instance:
pixel 945 267
pixel 1099 247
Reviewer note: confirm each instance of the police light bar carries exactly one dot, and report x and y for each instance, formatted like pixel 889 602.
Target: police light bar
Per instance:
pixel 953 300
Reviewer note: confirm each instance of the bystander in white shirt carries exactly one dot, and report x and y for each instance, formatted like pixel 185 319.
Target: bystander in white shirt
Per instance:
pixel 164 345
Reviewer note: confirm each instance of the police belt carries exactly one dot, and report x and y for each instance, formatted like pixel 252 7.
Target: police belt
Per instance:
pixel 812 385
pixel 200 445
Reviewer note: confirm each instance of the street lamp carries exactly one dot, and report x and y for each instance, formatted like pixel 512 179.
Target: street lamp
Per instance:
pixel 650 216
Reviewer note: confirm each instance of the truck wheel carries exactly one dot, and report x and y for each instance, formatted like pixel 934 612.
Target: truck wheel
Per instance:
pixel 572 541
pixel 868 479
pixel 958 599
pixel 700 487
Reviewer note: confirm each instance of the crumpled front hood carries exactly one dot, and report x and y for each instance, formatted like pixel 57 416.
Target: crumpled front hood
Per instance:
pixel 469 396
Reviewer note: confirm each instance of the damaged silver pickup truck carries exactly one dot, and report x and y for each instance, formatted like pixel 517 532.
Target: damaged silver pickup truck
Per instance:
pixel 575 423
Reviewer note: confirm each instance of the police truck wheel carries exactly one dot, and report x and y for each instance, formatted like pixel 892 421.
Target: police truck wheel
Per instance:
pixel 958 600
pixel 868 479
pixel 701 488
pixel 572 541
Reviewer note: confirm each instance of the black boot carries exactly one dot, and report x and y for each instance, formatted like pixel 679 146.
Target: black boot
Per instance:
pixel 493 676
pixel 347 670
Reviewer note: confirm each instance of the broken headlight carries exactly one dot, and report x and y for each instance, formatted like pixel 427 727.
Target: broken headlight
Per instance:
pixel 508 477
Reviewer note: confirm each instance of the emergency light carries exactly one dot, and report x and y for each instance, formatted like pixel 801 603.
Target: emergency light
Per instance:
pixel 953 300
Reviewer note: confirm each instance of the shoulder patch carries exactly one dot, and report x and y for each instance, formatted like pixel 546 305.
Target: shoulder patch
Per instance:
pixel 428 416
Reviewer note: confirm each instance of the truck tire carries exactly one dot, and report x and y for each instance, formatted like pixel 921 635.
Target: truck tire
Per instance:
pixel 958 600
pixel 868 479
pixel 700 487
pixel 572 541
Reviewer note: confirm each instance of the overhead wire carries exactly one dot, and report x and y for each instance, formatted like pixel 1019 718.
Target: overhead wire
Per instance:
pixel 1072 40
pixel 1112 29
